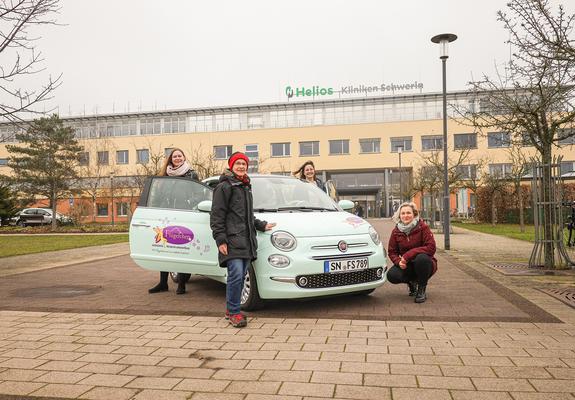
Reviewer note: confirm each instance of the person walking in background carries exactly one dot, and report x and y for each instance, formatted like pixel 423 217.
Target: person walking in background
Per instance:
pixel 358 210
pixel 307 174
pixel 411 248
pixel 234 229
pixel 175 165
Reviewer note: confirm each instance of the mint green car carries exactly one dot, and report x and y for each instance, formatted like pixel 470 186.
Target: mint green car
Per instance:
pixel 316 248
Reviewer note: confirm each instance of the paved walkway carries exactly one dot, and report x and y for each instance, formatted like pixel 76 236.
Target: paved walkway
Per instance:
pixel 125 356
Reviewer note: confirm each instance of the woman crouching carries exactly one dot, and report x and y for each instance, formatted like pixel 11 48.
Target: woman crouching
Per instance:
pixel 411 249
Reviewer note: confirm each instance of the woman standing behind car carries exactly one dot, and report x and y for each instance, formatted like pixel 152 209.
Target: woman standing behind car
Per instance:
pixel 307 174
pixel 175 165
pixel 234 229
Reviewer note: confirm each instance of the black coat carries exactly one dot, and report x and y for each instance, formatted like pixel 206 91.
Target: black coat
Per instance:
pixel 232 219
pixel 318 182
pixel 193 175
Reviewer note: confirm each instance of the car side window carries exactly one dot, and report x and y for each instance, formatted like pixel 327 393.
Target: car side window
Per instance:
pixel 175 193
pixel 28 212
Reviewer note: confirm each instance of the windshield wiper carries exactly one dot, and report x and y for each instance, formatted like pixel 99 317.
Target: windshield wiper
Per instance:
pixel 305 208
pixel 265 210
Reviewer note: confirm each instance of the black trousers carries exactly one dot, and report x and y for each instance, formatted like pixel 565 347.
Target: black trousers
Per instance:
pixel 418 270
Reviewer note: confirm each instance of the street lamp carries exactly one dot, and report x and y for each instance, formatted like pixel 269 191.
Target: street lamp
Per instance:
pixel 443 40
pixel 399 151
pixel 112 193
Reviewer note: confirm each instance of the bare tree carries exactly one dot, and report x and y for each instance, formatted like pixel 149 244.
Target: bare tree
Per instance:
pixel 494 185
pixel 205 163
pixel 20 58
pixel 519 168
pixel 473 180
pixel 534 96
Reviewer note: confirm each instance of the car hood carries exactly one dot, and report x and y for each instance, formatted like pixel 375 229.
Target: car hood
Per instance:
pixel 310 224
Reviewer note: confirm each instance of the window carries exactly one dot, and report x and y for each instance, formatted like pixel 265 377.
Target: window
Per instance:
pixel 151 126
pixel 255 121
pixel 143 156
pixel 167 151
pixel 465 141
pixel 84 158
pixel 281 150
pixel 498 139
pixel 222 152
pixel 3 162
pixel 370 145
pixel 432 142
pixel 182 194
pixel 566 136
pixel 252 151
pixel 122 209
pixel 102 209
pixel 174 124
pixel 339 146
pixel 566 167
pixel 403 142
pixel 122 157
pixel 467 171
pixel 500 170
pixel 309 148
pixel 102 158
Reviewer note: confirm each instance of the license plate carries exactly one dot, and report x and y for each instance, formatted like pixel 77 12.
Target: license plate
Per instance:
pixel 348 264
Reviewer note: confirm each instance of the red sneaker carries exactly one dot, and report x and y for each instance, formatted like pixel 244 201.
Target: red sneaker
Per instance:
pixel 238 320
pixel 227 316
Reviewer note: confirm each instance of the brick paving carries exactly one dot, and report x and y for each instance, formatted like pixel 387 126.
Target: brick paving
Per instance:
pixel 481 335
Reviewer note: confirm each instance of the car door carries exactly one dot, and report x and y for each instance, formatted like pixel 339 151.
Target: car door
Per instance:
pixel 169 233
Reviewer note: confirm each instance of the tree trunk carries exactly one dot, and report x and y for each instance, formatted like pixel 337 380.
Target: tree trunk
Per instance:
pixel 548 223
pixel 54 202
pixel 432 217
pixel 520 206
pixel 493 209
pixel 93 209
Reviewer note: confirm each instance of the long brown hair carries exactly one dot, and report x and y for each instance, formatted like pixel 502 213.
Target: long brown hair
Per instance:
pixel 168 161
pixel 302 168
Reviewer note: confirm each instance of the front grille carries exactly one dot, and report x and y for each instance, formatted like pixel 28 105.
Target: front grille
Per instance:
pixel 340 279
pixel 345 255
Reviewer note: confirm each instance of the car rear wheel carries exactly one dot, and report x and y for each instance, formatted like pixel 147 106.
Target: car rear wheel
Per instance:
pixel 176 277
pixel 251 300
pixel 20 223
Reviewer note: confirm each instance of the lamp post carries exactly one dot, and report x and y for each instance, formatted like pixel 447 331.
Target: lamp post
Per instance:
pixel 399 151
pixel 112 193
pixel 443 40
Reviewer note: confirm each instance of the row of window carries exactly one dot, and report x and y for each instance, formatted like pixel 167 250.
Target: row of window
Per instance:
pixel 121 209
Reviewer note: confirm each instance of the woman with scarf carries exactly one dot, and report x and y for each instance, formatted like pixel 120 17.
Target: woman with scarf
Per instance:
pixel 411 249
pixel 175 165
pixel 234 229
pixel 307 174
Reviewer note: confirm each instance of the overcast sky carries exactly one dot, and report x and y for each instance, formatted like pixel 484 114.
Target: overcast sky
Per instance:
pixel 183 54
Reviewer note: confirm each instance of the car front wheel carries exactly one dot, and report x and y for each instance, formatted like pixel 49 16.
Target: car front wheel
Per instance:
pixel 20 223
pixel 251 300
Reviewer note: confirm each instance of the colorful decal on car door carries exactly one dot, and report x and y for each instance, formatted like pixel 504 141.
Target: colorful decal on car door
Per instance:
pixel 177 239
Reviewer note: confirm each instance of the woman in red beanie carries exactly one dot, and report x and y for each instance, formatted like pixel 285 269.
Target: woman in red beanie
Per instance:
pixel 234 230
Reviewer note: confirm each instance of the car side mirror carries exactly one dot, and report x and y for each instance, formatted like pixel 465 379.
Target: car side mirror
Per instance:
pixel 346 205
pixel 205 206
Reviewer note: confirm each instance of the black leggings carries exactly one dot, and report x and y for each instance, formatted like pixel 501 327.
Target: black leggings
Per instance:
pixel 418 270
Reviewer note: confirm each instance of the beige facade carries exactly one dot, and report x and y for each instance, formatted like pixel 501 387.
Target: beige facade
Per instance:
pixel 353 142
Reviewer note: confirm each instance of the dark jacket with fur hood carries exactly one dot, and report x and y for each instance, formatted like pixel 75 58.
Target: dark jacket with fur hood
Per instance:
pixel 232 219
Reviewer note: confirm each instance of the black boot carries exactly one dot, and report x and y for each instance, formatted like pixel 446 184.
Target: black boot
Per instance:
pixel 420 296
pixel 412 288
pixel 162 286
pixel 181 285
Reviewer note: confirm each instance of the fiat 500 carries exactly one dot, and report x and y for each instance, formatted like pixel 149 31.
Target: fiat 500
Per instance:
pixel 316 249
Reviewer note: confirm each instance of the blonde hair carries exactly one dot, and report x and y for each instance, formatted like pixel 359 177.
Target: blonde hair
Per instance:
pixel 411 204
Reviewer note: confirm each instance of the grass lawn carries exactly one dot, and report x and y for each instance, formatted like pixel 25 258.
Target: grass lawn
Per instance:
pixel 13 245
pixel 508 230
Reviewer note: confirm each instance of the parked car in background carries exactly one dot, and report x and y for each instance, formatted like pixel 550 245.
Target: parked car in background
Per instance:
pixel 38 216
pixel 316 249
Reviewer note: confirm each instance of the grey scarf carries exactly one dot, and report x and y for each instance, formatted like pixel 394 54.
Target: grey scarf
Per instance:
pixel 409 227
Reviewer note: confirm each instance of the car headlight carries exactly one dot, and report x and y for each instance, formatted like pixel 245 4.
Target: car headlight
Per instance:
pixel 283 241
pixel 278 261
pixel 374 235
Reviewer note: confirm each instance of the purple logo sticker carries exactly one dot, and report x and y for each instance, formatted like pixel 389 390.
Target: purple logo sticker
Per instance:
pixel 177 234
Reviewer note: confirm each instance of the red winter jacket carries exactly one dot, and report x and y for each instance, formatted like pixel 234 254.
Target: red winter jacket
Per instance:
pixel 420 240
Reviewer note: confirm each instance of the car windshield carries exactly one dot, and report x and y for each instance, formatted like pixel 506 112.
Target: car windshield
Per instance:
pixel 275 194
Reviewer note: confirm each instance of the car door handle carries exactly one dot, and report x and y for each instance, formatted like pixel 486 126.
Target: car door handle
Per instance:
pixel 144 225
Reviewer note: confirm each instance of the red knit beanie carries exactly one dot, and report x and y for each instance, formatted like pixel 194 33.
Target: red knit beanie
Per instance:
pixel 238 155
